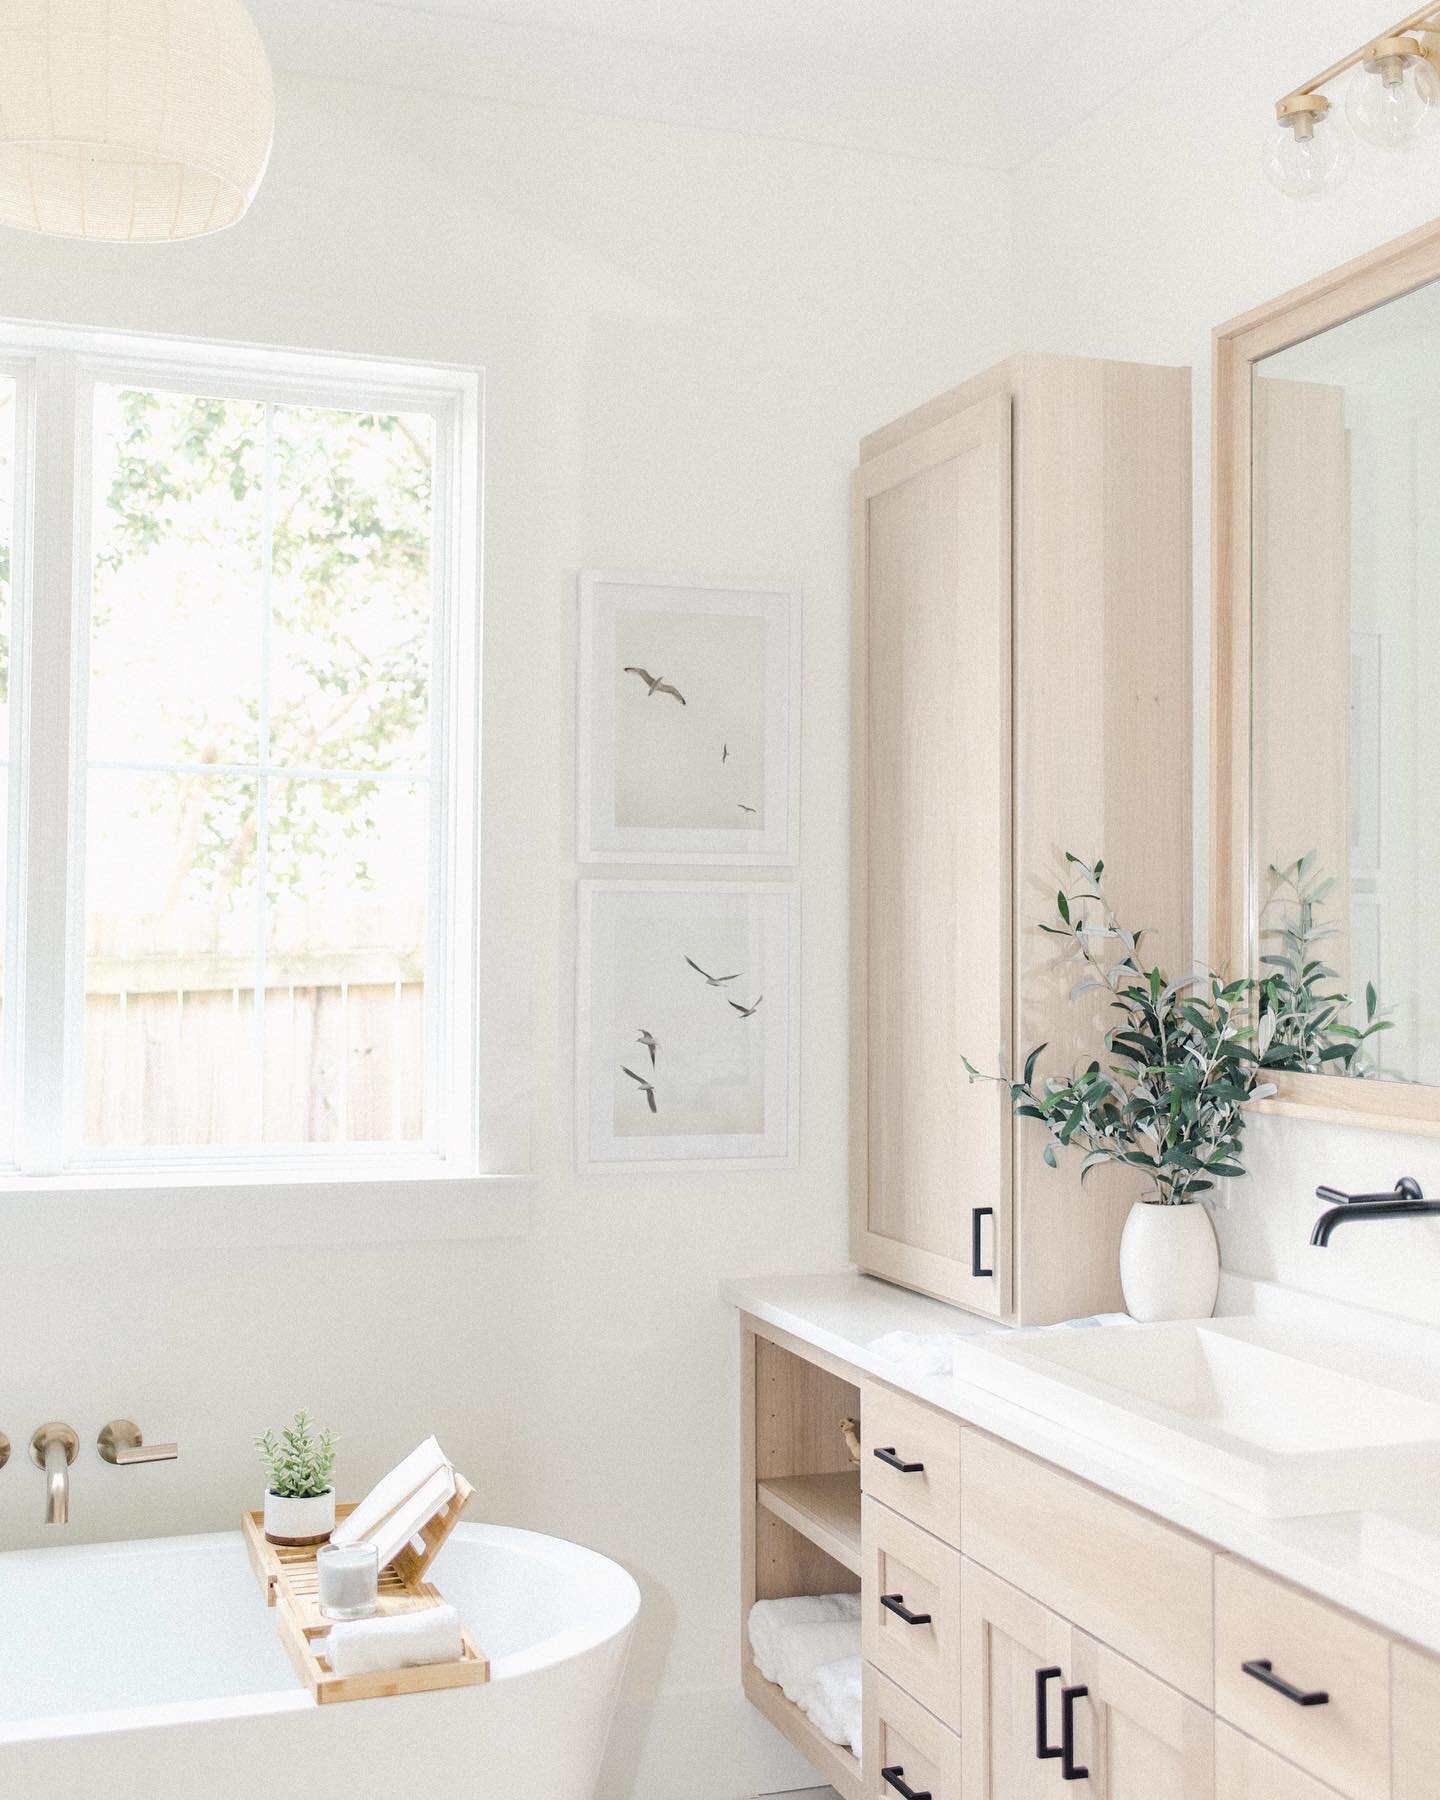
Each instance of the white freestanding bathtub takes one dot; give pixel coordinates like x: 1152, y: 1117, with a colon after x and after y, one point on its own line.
x: 151, y: 1671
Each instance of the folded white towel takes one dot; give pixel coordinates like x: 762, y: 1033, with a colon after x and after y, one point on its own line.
x: 405, y: 1641
x: 918, y: 1354
x: 830, y: 1698
x: 1088, y: 1324
x: 806, y: 1648
x: 770, y: 1619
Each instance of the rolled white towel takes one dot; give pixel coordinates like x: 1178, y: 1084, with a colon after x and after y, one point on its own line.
x: 830, y: 1698
x: 806, y: 1648
x: 405, y: 1641
x: 769, y: 1619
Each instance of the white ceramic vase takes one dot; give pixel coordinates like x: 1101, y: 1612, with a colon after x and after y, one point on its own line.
x: 1169, y: 1262
x: 308, y: 1521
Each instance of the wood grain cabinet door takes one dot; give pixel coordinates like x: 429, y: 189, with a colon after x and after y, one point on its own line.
x: 1139, y: 1739
x: 1015, y: 1660
x: 931, y: 946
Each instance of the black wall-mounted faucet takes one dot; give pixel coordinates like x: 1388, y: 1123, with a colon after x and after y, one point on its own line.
x: 1406, y: 1202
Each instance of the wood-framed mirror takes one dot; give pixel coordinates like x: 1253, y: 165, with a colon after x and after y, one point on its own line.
x: 1325, y: 756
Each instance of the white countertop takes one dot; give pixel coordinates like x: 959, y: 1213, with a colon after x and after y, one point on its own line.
x: 844, y: 1313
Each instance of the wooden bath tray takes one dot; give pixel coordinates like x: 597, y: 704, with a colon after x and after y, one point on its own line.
x: 289, y: 1582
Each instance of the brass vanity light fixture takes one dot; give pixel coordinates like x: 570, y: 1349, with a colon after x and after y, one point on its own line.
x: 1393, y: 100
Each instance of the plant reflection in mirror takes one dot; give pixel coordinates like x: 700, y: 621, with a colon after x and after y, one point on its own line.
x: 1306, y: 1027
x: 1168, y: 1097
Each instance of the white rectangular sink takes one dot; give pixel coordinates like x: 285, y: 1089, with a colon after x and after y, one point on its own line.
x: 1281, y: 1421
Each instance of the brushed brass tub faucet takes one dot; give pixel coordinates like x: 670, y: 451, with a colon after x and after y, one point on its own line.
x: 53, y: 1449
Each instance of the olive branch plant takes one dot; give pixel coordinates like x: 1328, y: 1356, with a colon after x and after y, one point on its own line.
x: 1168, y: 1095
x: 1311, y: 1033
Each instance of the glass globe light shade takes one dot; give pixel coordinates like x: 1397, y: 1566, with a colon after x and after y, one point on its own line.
x: 145, y: 122
x: 1308, y: 155
x: 1393, y: 100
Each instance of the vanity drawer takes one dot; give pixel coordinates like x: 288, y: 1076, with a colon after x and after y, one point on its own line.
x: 1343, y: 1741
x: 920, y: 1577
x: 926, y: 1443
x: 1245, y: 1770
x: 1136, y: 1584
x: 901, y: 1737
x: 1415, y: 1708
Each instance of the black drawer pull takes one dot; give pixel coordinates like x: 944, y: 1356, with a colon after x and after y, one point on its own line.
x: 888, y: 1456
x: 977, y: 1266
x: 1043, y: 1747
x: 895, y: 1603
x: 1264, y: 1671
x: 896, y: 1778
x: 1070, y: 1770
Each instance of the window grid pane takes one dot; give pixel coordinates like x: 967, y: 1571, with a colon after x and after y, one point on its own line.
x: 281, y: 958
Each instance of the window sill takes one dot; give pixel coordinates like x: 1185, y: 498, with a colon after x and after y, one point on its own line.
x: 87, y: 1212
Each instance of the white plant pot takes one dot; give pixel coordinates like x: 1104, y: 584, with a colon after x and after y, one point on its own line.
x: 1169, y: 1262
x: 308, y: 1521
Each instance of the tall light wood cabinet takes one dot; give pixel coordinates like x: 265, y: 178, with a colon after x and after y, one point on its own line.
x: 1021, y: 672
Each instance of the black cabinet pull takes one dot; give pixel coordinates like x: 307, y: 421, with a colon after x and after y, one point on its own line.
x: 888, y: 1456
x: 977, y: 1267
x: 1069, y: 1768
x: 895, y: 1603
x: 896, y: 1778
x: 1043, y: 1747
x: 1264, y: 1671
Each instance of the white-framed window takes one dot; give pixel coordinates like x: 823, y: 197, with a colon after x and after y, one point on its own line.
x: 239, y: 695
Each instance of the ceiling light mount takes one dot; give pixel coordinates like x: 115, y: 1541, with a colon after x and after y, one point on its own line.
x: 1392, y: 101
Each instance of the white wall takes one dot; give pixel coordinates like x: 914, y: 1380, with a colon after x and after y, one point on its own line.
x: 684, y: 335
x: 1139, y: 232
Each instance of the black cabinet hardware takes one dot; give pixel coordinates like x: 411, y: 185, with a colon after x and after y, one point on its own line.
x: 1264, y: 1671
x: 888, y: 1456
x: 896, y: 1778
x: 1043, y: 1747
x: 977, y: 1266
x: 895, y: 1603
x: 1069, y: 1768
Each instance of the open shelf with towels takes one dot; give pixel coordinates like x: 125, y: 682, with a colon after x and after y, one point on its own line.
x: 800, y: 1512
x: 833, y: 1761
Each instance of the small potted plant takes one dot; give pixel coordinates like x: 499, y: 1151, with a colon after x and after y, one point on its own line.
x: 299, y: 1501
x: 1166, y: 1102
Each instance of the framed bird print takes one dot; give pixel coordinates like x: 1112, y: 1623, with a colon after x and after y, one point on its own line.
x: 689, y: 722
x: 687, y: 1025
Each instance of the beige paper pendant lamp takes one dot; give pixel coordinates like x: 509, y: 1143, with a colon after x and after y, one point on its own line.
x: 131, y: 121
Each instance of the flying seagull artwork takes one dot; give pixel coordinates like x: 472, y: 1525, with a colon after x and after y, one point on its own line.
x: 745, y: 808
x: 747, y: 1012
x: 715, y: 980
x: 650, y: 1044
x: 656, y: 684
x: 647, y: 1087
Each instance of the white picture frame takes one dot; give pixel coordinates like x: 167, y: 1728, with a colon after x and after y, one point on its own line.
x: 689, y: 726
x: 723, y: 1071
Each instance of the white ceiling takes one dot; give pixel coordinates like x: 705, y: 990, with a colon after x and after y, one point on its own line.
x: 982, y: 82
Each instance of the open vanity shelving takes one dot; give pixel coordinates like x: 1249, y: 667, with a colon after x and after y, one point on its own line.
x: 800, y: 1511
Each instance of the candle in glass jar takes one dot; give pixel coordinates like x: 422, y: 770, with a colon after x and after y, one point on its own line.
x: 349, y: 1580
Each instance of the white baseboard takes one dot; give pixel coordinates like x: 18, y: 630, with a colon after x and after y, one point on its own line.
x: 705, y: 1746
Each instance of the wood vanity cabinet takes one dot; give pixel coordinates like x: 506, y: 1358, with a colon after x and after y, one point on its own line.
x: 1022, y: 1594
x: 1031, y: 1679
x: 1414, y: 1724
x: 1021, y: 674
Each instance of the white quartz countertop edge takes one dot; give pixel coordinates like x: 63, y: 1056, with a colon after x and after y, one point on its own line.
x: 1321, y: 1554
